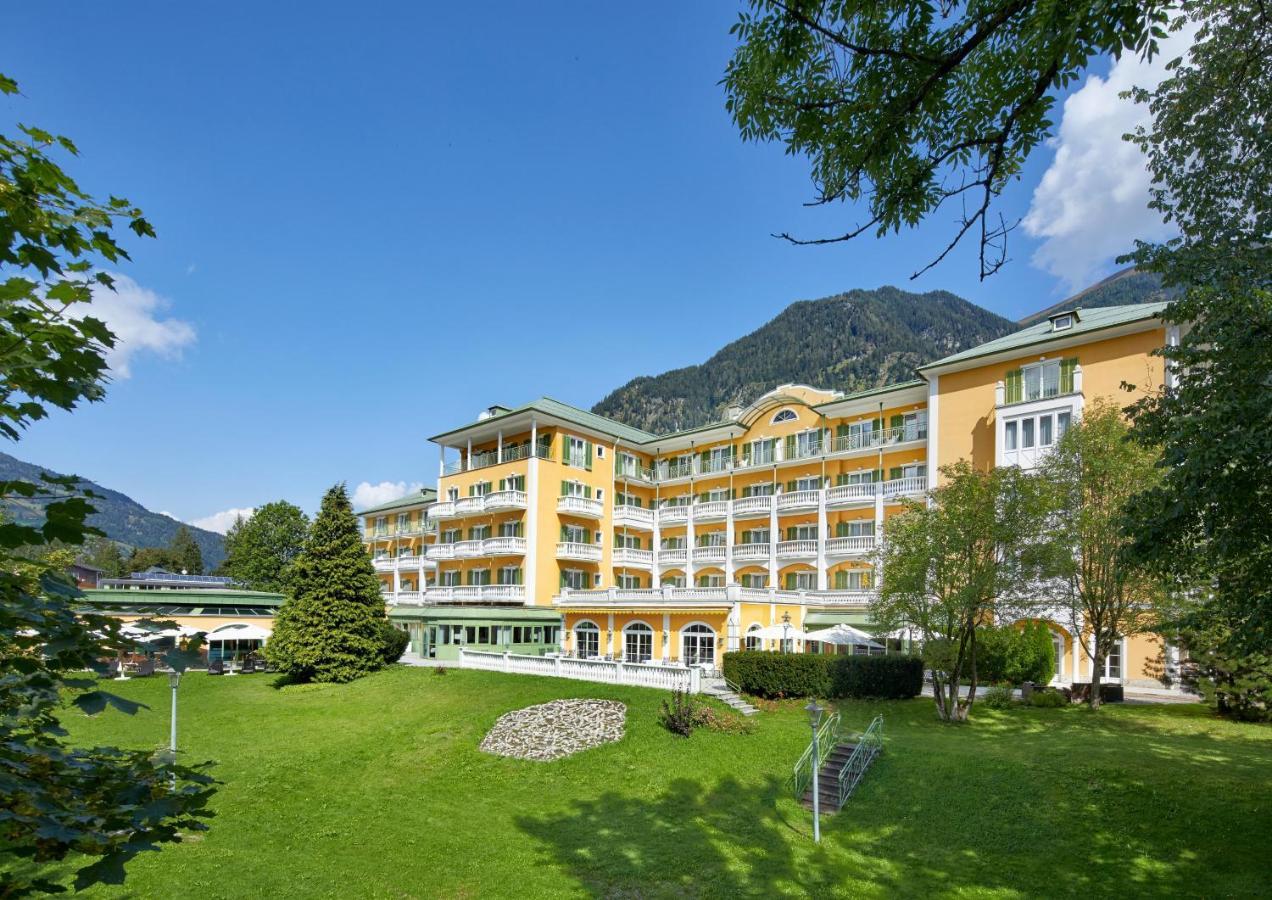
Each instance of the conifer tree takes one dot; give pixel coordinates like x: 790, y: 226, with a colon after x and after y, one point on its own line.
x: 186, y: 555
x: 329, y: 627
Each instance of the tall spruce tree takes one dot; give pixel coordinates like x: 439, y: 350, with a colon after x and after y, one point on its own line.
x: 186, y: 555
x: 329, y: 629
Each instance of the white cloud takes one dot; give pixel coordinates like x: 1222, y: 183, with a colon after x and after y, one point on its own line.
x: 220, y: 522
x: 368, y: 494
x: 132, y: 313
x: 1092, y: 202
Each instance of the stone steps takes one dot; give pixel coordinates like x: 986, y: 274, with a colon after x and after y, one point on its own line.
x: 731, y: 699
x: 828, y: 780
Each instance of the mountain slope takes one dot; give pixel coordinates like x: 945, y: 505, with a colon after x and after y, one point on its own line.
x: 1123, y: 288
x: 852, y: 341
x: 123, y: 519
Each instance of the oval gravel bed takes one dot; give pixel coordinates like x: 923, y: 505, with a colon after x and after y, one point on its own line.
x: 553, y: 730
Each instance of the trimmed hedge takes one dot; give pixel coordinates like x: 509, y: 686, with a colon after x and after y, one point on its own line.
x: 778, y: 675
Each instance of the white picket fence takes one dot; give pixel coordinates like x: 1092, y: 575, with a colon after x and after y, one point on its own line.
x: 653, y: 675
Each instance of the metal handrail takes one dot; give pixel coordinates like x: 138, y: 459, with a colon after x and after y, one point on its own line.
x: 827, y: 740
x: 868, y: 747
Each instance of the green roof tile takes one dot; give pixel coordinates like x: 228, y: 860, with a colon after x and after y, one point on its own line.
x: 415, y: 498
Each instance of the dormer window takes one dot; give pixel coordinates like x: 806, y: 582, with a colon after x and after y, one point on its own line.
x: 1063, y: 321
x: 785, y: 415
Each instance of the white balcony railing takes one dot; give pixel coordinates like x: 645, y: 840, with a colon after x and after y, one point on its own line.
x: 670, y: 515
x: 580, y: 506
x: 466, y: 506
x: 575, y: 550
x: 506, y: 500
x: 710, y: 595
x: 408, y: 562
x: 464, y: 549
x: 713, y: 553
x: 440, y: 551
x: 442, y: 510
x: 711, y: 509
x: 905, y: 487
x: 383, y: 564
x: 752, y: 506
x: 797, y: 500
x: 504, y: 546
x: 742, y: 552
x: 633, y: 517
x: 849, y: 546
x: 474, y: 593
x: 674, y: 556
x: 630, y: 556
x: 844, y: 494
x: 408, y: 597
x: 797, y: 548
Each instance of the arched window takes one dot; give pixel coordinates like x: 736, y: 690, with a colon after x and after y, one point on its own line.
x: 587, y: 640
x: 784, y: 415
x: 753, y: 641
x: 697, y: 645
x: 638, y: 642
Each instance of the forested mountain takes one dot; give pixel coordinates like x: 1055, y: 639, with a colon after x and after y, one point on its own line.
x: 123, y: 519
x: 850, y: 342
x: 1123, y: 288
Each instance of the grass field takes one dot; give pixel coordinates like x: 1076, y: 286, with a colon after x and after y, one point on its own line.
x: 377, y: 789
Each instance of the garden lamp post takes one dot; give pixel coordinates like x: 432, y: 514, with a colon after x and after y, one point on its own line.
x: 174, y: 679
x: 814, y: 719
x: 786, y: 631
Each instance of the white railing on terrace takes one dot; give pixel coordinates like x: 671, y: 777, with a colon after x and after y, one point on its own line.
x: 673, y: 556
x: 709, y: 595
x: 646, y: 674
x: 715, y: 466
x: 453, y: 468
x: 850, y: 493
x: 410, y: 597
x: 625, y: 514
x: 711, y: 553
x: 672, y: 471
x: 670, y: 514
x: 753, y: 506
x: 443, y: 510
x: 504, y: 546
x: 862, y: 543
x: 711, y: 509
x: 630, y: 556
x: 871, y: 439
x: 797, y: 499
x: 383, y: 564
x: 639, y: 473
x: 476, y: 593
x: 807, y: 451
x: 580, y: 506
x: 408, y: 562
x: 849, y: 597
x: 797, y: 548
x: 440, y: 551
x: 467, y: 548
x: 752, y: 551
x: 506, y: 500
x: 575, y: 550
x: 916, y: 484
x: 466, y: 506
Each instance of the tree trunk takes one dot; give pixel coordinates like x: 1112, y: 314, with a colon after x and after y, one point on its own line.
x: 1097, y: 666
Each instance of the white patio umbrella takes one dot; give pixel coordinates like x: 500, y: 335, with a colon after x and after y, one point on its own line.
x: 844, y: 635
x: 238, y: 633
x: 779, y: 633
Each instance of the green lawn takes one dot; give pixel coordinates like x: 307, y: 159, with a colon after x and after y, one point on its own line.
x: 378, y: 789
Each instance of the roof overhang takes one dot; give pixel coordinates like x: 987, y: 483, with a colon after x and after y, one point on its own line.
x: 872, y: 401
x: 517, y: 423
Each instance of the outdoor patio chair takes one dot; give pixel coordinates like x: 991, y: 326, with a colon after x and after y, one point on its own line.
x: 216, y: 667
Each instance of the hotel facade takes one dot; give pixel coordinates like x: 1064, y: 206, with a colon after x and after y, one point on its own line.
x: 556, y: 529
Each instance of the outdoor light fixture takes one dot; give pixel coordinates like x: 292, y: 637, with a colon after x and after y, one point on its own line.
x: 174, y: 679
x: 786, y: 631
x: 814, y: 719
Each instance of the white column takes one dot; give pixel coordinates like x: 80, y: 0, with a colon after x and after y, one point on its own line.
x: 499, y: 447
x: 468, y: 460
x: 441, y: 463
x: 821, y: 537
x: 775, y: 535
x: 933, y: 429
x: 609, y: 629
x: 728, y: 540
x: 666, y: 637
x: 656, y: 547
x: 532, y: 519
x: 689, y: 536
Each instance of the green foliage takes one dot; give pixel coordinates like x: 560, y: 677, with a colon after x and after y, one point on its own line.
x: 999, y: 696
x: 1235, y: 681
x: 103, y: 553
x: 878, y: 677
x: 959, y: 561
x: 185, y: 553
x: 96, y: 807
x: 785, y: 675
x: 260, y: 550
x: 116, y: 515
x: 683, y: 713
x: 394, y: 642
x: 144, y: 558
x: 1048, y: 699
x: 911, y: 105
x: 850, y: 342
x: 329, y: 627
x: 1015, y: 655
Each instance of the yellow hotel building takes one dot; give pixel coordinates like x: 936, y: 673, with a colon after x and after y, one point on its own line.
x: 553, y: 528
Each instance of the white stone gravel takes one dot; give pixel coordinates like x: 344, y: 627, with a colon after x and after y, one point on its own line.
x: 553, y: 730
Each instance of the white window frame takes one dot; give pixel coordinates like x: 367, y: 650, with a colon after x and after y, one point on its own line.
x: 784, y: 415
x: 590, y: 628
x: 641, y: 631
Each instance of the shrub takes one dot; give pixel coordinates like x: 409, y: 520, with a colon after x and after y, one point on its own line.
x: 778, y: 675
x: 884, y: 677
x: 999, y: 696
x: 1015, y: 655
x: 395, y: 641
x: 439, y: 670
x: 682, y: 714
x: 1048, y: 699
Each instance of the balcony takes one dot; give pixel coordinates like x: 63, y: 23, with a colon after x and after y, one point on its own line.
x: 856, y: 545
x: 443, y: 510
x: 905, y: 487
x: 634, y: 473
x: 409, y: 562
x: 711, y: 510
x: 673, y: 556
x: 709, y: 554
x: 796, y: 549
x: 408, y: 598
x: 440, y: 551
x: 884, y: 437
x: 473, y: 593
x: 744, y: 552
x: 383, y: 564
x: 467, y: 549
x: 467, y: 506
x: 633, y: 517
x: 749, y: 507
x: 674, y: 471
x: 672, y: 515
x: 504, y: 546
x: 630, y: 556
x: 581, y: 552
x: 797, y: 500
x: 849, y: 494
x: 580, y: 506
x: 505, y: 500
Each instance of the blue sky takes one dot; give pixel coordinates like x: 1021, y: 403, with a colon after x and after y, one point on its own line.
x: 375, y: 220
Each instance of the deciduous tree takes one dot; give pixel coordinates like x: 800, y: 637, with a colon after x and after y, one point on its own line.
x: 260, y: 550
x: 186, y: 555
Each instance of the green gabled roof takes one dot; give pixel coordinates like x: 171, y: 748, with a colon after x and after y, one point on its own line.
x: 580, y: 417
x: 1089, y: 321
x: 415, y: 498
x: 861, y: 395
x: 182, y: 597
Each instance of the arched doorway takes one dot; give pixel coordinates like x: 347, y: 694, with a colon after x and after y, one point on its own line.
x: 697, y: 645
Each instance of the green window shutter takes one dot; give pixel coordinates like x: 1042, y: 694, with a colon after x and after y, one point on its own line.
x: 790, y: 446
x: 587, y: 455
x: 790, y: 486
x: 876, y: 425
x: 841, y: 529
x: 1015, y: 386
x: 733, y: 493
x: 636, y: 543
x: 705, y: 456
x: 502, y: 484
x: 563, y: 533
x: 841, y: 581
x: 639, y: 501
x: 841, y: 478
x: 703, y: 497
x: 841, y: 431
x: 587, y: 492
x: 896, y: 422
x: 878, y: 475
x: 791, y: 531
x: 562, y: 579
x: 1066, y: 374
x: 746, y: 453
x: 565, y: 449
x: 565, y: 488
x: 790, y: 581
x: 894, y: 473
